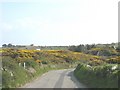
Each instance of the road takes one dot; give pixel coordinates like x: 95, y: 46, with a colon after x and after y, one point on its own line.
x: 56, y: 79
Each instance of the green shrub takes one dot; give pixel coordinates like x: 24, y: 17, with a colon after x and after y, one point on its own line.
x: 31, y: 63
x: 19, y: 74
x: 97, y: 76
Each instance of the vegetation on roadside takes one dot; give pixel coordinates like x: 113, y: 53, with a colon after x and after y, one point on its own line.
x: 14, y: 75
x: 102, y: 76
x: 20, y: 66
x: 36, y: 63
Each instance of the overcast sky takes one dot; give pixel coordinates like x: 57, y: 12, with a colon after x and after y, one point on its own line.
x: 58, y: 22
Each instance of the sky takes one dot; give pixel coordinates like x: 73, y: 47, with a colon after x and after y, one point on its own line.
x: 58, y: 22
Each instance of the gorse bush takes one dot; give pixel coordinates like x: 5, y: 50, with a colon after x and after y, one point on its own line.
x: 49, y: 56
x: 15, y: 75
x: 36, y: 62
x: 39, y: 62
x: 113, y: 60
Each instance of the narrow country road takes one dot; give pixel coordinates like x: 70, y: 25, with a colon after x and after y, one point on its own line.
x: 56, y: 79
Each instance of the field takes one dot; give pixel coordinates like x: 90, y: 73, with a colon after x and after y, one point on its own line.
x: 22, y: 66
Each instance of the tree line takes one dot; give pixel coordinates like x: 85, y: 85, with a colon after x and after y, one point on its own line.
x: 97, y: 49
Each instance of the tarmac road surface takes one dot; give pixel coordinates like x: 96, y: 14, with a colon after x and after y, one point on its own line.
x: 56, y: 79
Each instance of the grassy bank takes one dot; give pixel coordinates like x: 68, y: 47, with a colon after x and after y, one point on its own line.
x: 14, y: 75
x: 102, y: 76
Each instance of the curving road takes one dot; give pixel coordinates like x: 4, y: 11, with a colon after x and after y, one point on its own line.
x: 56, y: 79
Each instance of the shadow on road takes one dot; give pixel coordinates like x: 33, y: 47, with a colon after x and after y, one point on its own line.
x: 72, y: 77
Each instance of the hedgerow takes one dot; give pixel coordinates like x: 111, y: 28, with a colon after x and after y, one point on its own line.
x: 102, y: 76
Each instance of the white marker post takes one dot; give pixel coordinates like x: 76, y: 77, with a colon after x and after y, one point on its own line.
x: 24, y: 65
x: 19, y: 64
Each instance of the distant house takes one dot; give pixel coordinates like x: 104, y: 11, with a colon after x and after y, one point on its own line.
x: 38, y: 49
